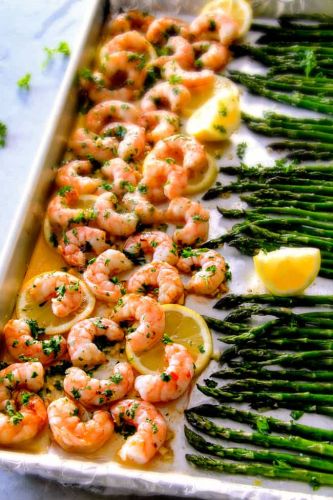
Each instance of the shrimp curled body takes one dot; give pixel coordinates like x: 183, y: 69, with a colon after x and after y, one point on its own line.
x: 76, y: 174
x: 117, y: 224
x: 156, y: 243
x: 211, y: 275
x: 174, y: 380
x: 151, y: 429
x: 75, y: 241
x: 164, y: 95
x: 195, y: 217
x: 75, y: 435
x: 123, y: 175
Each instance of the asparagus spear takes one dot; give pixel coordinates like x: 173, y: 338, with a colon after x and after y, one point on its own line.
x: 315, y: 148
x: 289, y: 442
x: 262, y: 374
x: 224, y: 326
x: 277, y: 471
x: 299, y: 344
x: 200, y: 444
x: 250, y: 384
x: 232, y: 300
x: 263, y: 423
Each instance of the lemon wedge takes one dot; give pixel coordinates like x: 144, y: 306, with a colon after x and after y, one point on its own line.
x: 219, y: 116
x: 182, y: 326
x: 202, y: 180
x: 288, y: 271
x: 240, y: 11
x: 27, y: 308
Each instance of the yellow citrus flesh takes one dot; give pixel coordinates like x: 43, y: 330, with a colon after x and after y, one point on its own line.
x: 27, y: 308
x: 240, y: 11
x: 183, y: 326
x: 85, y: 201
x: 217, y: 118
x: 288, y: 271
x: 203, y: 180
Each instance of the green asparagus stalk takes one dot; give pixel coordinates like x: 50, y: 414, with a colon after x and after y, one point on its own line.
x: 200, y: 444
x: 231, y: 300
x: 289, y: 442
x: 262, y: 374
x: 250, y: 384
x: 277, y: 471
x: 263, y: 423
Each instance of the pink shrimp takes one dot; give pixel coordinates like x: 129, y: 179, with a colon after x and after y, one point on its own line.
x: 161, y: 29
x: 155, y: 243
x: 214, y: 26
x: 98, y: 88
x: 22, y: 342
x: 210, y: 55
x: 63, y: 289
x: 190, y: 79
x: 210, y: 277
x: 164, y: 179
x: 124, y: 176
x: 89, y: 145
x: 107, y: 111
x: 76, y: 174
x: 130, y: 20
x: 101, y: 275
x: 131, y: 139
x: 151, y: 429
x: 82, y: 351
x: 180, y: 50
x: 131, y: 41
x: 195, y: 217
x: 139, y: 203
x: 117, y: 224
x: 158, y: 277
x: 159, y: 124
x: 150, y: 315
x: 78, y: 241
x: 60, y: 210
x: 125, y: 69
x: 91, y: 391
x: 168, y: 96
x: 173, y: 382
x: 74, y: 430
x: 29, y: 375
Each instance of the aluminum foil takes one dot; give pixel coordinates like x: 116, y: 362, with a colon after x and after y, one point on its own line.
x: 177, y: 478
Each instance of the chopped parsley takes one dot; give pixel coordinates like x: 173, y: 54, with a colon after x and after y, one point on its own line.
x: 76, y: 393
x: 63, y: 190
x: 174, y: 79
x: 52, y: 346
x: 165, y: 377
x: 241, y: 150
x: 3, y: 135
x: 116, y: 378
x: 62, y: 48
x: 201, y: 349
x: 220, y: 129
x: 61, y: 290
x: 15, y: 416
x: 24, y: 82
x: 35, y: 330
x: 166, y: 339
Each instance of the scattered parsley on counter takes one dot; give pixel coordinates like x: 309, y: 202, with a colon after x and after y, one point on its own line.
x: 24, y: 82
x: 241, y: 150
x: 3, y: 135
x: 63, y: 48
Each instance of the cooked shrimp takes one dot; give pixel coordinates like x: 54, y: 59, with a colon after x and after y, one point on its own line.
x: 124, y: 176
x: 173, y: 382
x: 180, y: 50
x: 117, y: 224
x: 82, y: 351
x: 23, y: 418
x: 21, y: 338
x: 76, y: 174
x: 180, y: 150
x: 190, y: 79
x: 159, y: 277
x: 164, y: 179
x: 131, y: 41
x: 161, y: 29
x: 155, y: 243
x: 210, y: 55
x: 101, y: 275
x: 62, y: 289
x: 60, y: 209
x: 130, y: 20
x: 131, y: 139
x: 211, y: 276
x: 150, y: 315
x: 98, y: 88
x: 125, y: 69
x: 108, y: 111
x: 159, y: 124
x: 73, y: 431
x: 138, y: 203
x: 95, y: 392
x: 89, y: 145
x: 165, y: 95
x: 78, y: 241
x: 195, y: 217
x: 151, y: 429
x: 214, y: 26
x: 29, y: 375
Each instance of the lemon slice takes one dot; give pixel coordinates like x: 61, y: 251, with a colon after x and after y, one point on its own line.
x: 182, y: 326
x: 26, y: 307
x: 203, y: 180
x: 288, y: 271
x: 239, y: 10
x: 85, y: 201
x: 219, y: 116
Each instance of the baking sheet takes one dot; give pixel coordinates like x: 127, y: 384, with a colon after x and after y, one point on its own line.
x: 178, y: 478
